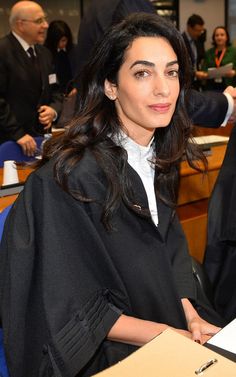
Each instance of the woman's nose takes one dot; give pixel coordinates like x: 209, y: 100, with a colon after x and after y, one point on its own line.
x: 161, y: 86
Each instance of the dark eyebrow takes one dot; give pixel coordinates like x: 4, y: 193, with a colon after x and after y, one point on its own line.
x: 142, y: 62
x: 172, y: 63
x: 150, y: 64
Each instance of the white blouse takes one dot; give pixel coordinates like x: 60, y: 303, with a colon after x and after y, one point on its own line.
x: 140, y: 157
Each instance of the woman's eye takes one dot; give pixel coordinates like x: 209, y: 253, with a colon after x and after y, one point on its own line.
x: 141, y: 74
x: 173, y: 73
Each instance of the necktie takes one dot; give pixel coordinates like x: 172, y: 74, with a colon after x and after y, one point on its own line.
x: 35, y: 67
x: 31, y: 53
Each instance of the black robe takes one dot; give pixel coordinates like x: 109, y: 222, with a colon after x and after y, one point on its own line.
x: 65, y: 280
x: 220, y: 254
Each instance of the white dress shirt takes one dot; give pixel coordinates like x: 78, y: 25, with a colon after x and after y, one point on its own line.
x: 140, y: 157
x: 24, y: 44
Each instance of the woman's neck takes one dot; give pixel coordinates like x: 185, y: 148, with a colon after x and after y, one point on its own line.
x: 142, y: 137
x: 220, y: 48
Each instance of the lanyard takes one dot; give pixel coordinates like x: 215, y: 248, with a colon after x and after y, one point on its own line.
x: 218, y: 60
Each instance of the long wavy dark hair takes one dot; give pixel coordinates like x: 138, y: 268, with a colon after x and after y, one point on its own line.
x: 97, y: 124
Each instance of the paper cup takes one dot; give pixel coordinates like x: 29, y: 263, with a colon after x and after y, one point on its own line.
x: 10, y: 175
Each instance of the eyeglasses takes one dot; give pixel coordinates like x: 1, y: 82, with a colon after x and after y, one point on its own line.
x: 38, y: 21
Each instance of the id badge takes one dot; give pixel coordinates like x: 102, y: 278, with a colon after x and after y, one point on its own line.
x: 52, y: 79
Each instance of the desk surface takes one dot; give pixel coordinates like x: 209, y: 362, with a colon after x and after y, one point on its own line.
x: 194, y: 192
x: 215, y: 160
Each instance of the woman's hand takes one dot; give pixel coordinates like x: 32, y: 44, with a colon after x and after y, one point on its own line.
x: 46, y: 116
x: 138, y: 332
x: 201, y: 75
x: 28, y: 145
x: 230, y: 74
x: 201, y: 330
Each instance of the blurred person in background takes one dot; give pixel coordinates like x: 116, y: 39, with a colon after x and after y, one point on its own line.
x: 220, y: 54
x: 30, y: 99
x: 60, y: 42
x: 194, y: 41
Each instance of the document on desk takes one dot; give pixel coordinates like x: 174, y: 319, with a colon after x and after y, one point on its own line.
x: 226, y: 338
x: 11, y: 189
x: 215, y: 73
x: 172, y: 355
x: 211, y: 140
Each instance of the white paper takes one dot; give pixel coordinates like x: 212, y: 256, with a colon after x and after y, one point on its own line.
x: 226, y: 338
x: 214, y: 73
x: 211, y: 139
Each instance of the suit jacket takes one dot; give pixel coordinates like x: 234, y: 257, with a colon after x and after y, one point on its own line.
x: 220, y: 254
x: 190, y: 52
x: 207, y: 109
x: 195, y: 64
x: 23, y: 90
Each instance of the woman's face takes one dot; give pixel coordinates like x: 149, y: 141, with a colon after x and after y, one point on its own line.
x: 147, y: 89
x: 220, y: 37
x: 62, y: 43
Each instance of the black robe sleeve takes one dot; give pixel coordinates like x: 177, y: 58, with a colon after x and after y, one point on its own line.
x: 180, y: 260
x: 207, y: 109
x: 44, y: 282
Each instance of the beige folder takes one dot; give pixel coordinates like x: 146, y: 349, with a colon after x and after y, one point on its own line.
x: 172, y: 355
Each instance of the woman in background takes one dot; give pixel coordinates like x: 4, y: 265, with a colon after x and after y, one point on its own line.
x: 60, y: 42
x: 221, y: 54
x: 93, y: 261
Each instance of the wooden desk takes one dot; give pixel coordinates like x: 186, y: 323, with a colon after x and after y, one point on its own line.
x: 195, y: 189
x: 23, y: 173
x: 222, y: 131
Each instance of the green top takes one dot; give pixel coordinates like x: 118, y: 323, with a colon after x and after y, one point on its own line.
x: 209, y: 61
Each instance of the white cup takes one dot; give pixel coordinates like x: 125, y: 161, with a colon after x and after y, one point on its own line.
x: 10, y: 175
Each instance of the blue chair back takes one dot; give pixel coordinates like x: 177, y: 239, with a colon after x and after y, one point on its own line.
x: 3, y: 216
x: 3, y: 365
x: 10, y: 150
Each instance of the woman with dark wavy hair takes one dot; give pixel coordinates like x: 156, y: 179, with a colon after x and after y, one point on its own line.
x: 60, y: 42
x: 93, y: 258
x: 222, y: 53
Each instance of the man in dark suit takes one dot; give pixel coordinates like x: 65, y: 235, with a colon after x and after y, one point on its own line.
x: 29, y: 96
x: 193, y: 41
x: 207, y: 110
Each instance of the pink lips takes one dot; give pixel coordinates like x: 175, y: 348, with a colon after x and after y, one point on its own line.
x: 160, y: 107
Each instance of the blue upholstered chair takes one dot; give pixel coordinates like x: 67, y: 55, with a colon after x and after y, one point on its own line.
x: 3, y: 365
x: 3, y: 216
x: 10, y: 150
